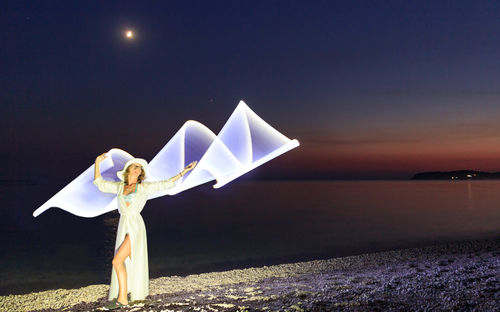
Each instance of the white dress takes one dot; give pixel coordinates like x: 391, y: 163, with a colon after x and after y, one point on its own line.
x: 131, y: 222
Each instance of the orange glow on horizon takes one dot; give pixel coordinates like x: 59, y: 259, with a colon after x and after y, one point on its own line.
x: 391, y: 158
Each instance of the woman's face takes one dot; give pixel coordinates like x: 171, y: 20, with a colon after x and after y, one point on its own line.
x: 134, y: 170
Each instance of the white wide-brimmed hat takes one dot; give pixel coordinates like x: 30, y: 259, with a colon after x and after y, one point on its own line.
x: 140, y: 161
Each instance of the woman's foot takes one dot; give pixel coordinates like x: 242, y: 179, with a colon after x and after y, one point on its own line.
x: 115, y: 304
x: 122, y: 302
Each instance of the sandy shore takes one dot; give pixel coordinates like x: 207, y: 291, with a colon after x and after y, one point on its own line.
x: 463, y: 276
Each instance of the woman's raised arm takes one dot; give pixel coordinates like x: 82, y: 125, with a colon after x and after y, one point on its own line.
x: 97, y: 171
x: 103, y: 185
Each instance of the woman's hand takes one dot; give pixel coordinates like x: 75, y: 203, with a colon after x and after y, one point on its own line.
x: 100, y: 158
x: 189, y: 167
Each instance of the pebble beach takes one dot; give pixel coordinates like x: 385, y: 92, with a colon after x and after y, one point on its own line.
x: 461, y: 276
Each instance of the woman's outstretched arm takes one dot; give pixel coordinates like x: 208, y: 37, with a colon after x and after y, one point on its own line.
x: 184, y: 171
x: 154, y: 187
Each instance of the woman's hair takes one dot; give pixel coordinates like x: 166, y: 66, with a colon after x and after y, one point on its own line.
x: 140, y: 178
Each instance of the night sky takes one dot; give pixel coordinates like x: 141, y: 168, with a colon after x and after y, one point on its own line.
x: 371, y: 89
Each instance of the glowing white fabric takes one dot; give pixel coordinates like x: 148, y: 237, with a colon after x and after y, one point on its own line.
x: 244, y: 143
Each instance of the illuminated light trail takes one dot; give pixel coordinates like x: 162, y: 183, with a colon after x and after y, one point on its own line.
x: 245, y: 142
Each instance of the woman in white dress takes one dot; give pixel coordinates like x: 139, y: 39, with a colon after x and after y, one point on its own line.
x: 130, y: 263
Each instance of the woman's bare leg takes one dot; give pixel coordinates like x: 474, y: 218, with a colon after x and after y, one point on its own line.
x: 118, y: 263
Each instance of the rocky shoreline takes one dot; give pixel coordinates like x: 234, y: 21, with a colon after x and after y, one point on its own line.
x: 462, y: 276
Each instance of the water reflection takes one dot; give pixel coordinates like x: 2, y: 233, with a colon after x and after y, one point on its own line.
x: 110, y: 222
x: 243, y: 224
x: 470, y: 202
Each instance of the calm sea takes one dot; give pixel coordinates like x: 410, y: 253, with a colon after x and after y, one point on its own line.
x: 240, y: 225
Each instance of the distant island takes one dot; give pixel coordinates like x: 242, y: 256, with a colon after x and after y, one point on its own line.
x: 456, y: 175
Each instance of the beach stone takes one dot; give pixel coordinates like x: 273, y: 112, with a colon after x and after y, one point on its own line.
x: 385, y: 281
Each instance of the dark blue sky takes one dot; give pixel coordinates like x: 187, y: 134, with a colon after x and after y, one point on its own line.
x: 371, y: 89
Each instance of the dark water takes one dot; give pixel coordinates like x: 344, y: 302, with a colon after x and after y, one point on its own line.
x: 240, y: 225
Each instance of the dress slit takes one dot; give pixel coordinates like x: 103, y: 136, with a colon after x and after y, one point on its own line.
x: 131, y: 244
